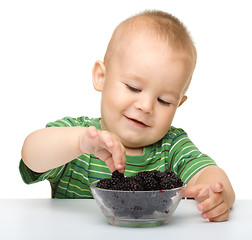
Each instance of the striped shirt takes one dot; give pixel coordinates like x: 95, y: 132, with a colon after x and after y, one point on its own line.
x: 174, y: 151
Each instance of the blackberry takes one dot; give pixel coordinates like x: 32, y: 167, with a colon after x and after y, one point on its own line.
x: 104, y: 183
x: 117, y: 175
x: 143, y: 181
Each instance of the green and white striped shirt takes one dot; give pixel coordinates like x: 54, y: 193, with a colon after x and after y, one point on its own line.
x: 175, y: 152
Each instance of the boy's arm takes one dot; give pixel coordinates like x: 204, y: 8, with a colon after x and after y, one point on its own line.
x: 212, y: 188
x: 52, y: 147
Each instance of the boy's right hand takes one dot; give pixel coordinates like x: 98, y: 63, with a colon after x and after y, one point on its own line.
x: 106, y: 146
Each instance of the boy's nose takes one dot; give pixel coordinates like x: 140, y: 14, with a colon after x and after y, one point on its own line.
x: 145, y: 104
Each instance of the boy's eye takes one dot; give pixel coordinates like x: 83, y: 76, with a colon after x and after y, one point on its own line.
x: 133, y: 89
x: 163, y: 102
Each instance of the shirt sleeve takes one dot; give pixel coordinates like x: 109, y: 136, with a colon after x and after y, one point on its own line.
x: 67, y: 122
x: 30, y: 176
x: 52, y: 175
x: 186, y: 159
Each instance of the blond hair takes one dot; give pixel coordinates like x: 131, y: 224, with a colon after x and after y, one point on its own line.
x: 162, y: 24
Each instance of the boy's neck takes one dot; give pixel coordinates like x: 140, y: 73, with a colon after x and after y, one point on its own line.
x: 134, y: 151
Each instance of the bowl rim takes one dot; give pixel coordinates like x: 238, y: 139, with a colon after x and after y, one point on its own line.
x: 93, y: 186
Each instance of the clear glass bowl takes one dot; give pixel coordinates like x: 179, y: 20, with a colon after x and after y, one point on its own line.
x: 137, y: 208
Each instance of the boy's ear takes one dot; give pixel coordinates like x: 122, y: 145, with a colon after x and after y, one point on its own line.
x: 182, y: 100
x: 99, y: 72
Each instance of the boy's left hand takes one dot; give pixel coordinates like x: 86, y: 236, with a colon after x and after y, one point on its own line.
x: 212, y: 201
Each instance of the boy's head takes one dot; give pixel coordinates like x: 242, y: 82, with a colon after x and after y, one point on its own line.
x: 146, y: 71
x: 160, y: 25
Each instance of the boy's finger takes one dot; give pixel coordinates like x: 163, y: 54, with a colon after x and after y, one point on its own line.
x: 121, y: 159
x: 110, y: 163
x: 118, y: 157
x: 113, y: 145
x: 221, y: 218
x: 92, y: 131
x: 217, y: 187
x: 192, y: 191
x: 210, y: 202
x: 106, y: 139
x: 215, y: 211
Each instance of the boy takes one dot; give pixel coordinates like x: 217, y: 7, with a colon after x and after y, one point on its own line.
x: 146, y: 71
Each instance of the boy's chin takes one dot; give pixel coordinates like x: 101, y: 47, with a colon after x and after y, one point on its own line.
x: 136, y: 142
x: 135, y: 145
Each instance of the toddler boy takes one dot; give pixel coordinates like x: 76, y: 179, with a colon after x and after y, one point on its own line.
x: 146, y: 72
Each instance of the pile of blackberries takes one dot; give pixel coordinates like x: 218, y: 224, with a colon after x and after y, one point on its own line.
x: 143, y: 181
x: 138, y: 198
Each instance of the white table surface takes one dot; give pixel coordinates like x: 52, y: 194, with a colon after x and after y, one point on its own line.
x: 82, y: 219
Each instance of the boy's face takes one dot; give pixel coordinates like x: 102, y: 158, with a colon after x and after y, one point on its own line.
x: 142, y: 89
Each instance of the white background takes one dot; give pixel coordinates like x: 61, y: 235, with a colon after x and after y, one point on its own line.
x: 47, y: 51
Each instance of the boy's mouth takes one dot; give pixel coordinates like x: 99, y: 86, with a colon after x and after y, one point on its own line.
x: 137, y: 122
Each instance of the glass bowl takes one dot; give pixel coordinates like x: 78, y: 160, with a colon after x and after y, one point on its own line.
x: 137, y: 208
